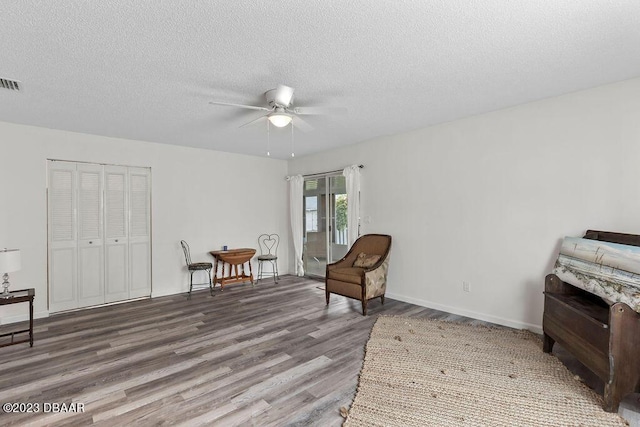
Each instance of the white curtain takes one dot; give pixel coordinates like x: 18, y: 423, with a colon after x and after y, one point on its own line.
x: 352, y: 178
x: 295, y: 211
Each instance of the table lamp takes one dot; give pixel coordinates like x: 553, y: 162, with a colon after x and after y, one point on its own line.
x: 9, y: 262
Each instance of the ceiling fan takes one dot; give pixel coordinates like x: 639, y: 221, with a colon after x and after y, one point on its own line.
x: 281, y: 110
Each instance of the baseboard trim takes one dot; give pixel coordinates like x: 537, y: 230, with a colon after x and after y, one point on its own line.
x: 467, y: 313
x: 166, y: 293
x: 173, y: 292
x: 23, y: 317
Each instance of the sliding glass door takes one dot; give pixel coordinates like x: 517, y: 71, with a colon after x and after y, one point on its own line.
x: 325, y: 222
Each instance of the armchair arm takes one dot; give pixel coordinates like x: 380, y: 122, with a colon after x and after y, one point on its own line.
x: 376, y: 278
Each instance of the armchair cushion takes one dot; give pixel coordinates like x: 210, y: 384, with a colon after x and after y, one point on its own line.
x: 347, y: 274
x: 366, y: 261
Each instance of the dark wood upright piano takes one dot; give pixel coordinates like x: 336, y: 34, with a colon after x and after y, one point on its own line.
x: 604, y: 336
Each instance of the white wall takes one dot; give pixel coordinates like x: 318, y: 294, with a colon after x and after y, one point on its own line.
x: 205, y: 197
x: 488, y: 199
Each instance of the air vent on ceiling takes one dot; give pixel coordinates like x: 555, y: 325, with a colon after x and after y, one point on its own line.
x: 10, y: 84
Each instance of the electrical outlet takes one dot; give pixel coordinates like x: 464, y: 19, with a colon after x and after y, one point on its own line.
x: 466, y: 286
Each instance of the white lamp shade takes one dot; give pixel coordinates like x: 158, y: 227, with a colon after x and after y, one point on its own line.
x: 280, y: 120
x: 9, y: 260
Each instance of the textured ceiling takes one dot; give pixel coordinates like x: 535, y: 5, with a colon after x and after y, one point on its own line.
x: 146, y: 69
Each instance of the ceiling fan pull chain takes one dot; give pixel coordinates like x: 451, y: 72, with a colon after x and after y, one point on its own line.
x: 268, y: 140
x: 292, y: 146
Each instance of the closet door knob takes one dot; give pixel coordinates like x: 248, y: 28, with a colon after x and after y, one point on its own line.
x: 116, y: 240
x: 90, y: 242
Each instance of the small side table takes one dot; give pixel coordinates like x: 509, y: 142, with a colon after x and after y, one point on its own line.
x: 24, y: 295
x: 235, y: 259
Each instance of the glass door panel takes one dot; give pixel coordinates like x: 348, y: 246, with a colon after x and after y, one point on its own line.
x: 338, y: 218
x: 325, y: 222
x: 315, y: 227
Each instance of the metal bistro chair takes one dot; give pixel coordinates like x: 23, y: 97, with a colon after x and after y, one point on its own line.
x: 196, y: 266
x: 268, y: 244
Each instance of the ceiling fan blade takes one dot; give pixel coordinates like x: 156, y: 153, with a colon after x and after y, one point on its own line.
x: 308, y: 111
x: 283, y: 96
x: 301, y: 124
x: 253, y: 121
x: 250, y: 107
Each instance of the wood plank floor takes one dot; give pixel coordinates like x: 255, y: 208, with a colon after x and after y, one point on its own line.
x: 267, y: 355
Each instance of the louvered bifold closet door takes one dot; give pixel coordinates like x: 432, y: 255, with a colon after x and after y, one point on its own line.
x: 116, y: 233
x: 140, y: 231
x: 90, y: 236
x: 63, y: 262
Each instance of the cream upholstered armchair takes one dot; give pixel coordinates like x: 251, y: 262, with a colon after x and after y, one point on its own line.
x: 362, y: 273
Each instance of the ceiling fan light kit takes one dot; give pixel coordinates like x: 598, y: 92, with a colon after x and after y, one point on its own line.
x: 279, y: 120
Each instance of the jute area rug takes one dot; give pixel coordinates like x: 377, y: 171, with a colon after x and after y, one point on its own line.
x: 431, y: 373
